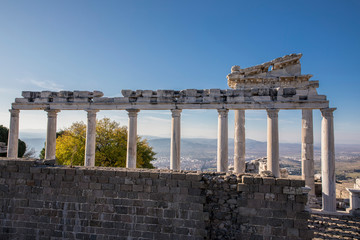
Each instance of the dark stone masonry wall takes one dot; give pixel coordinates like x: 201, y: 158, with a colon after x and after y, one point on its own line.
x: 40, y: 201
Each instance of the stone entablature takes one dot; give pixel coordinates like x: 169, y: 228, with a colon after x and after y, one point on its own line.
x: 279, y: 73
x: 249, y: 98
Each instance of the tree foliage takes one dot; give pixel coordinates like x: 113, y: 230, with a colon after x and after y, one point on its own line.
x: 111, y: 144
x: 4, y: 134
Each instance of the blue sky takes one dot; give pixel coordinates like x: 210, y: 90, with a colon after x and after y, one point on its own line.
x: 114, y: 45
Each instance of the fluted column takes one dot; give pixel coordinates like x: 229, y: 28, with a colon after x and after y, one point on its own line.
x: 175, y: 139
x: 239, y: 142
x: 222, y: 144
x: 90, y: 138
x: 13, y: 138
x: 307, y: 150
x: 50, y: 148
x: 328, y: 161
x: 273, y: 142
x: 131, y: 141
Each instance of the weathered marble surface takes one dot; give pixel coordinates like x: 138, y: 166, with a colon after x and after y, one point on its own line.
x: 246, y: 98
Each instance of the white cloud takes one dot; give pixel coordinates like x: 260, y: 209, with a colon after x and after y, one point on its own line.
x: 43, y: 85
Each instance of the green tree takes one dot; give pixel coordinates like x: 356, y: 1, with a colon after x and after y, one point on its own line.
x: 111, y: 144
x: 4, y: 134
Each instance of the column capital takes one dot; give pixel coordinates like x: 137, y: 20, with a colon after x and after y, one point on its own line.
x: 14, y: 112
x: 327, y: 112
x: 272, y: 112
x: 132, y: 112
x: 176, y: 112
x: 92, y: 112
x: 52, y: 112
x: 223, y: 112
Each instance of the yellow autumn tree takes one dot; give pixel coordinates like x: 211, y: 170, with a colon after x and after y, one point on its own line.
x: 111, y: 142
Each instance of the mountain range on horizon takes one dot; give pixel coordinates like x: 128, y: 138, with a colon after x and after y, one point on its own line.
x: 209, y: 145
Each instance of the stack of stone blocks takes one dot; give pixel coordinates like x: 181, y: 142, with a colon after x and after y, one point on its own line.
x: 253, y: 94
x: 42, y: 201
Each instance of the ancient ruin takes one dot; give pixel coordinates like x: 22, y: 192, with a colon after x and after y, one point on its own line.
x: 271, y: 86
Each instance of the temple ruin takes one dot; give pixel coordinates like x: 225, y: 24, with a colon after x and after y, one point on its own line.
x: 271, y: 86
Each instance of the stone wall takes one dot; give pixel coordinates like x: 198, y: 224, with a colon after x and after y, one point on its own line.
x: 251, y: 207
x: 40, y: 201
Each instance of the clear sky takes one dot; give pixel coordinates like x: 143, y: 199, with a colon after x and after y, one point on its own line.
x: 114, y: 45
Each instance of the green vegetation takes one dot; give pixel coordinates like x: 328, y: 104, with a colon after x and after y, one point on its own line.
x: 111, y: 144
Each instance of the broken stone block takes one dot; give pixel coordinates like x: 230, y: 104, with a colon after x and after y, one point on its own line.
x: 165, y: 93
x: 147, y: 93
x: 21, y: 100
x: 66, y: 94
x: 138, y: 93
x: 190, y: 92
x: 41, y: 100
x: 45, y: 94
x: 81, y: 94
x: 126, y: 92
x: 97, y: 93
x: 59, y: 100
x: 25, y: 94
x: 214, y: 92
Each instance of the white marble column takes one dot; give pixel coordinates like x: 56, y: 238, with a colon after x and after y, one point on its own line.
x: 90, y: 138
x: 328, y: 161
x: 273, y: 142
x: 175, y: 139
x: 239, y: 142
x: 13, y: 138
x: 222, y: 144
x: 50, y: 146
x: 307, y: 150
x: 132, y: 137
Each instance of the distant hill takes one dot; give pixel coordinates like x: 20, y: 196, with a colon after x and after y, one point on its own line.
x: 188, y: 145
x: 206, y: 146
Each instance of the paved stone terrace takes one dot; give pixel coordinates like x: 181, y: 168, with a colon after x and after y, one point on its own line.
x: 335, y: 226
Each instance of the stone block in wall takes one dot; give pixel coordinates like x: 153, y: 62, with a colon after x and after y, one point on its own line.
x: 85, y: 100
x: 41, y: 100
x: 30, y: 94
x: 317, y: 97
x: 82, y: 94
x: 99, y: 100
x: 165, y: 93
x: 66, y: 94
x: 261, y: 98
x: 21, y: 100
x: 189, y: 204
x: 45, y: 94
x: 147, y: 93
x: 120, y: 99
x: 59, y: 100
